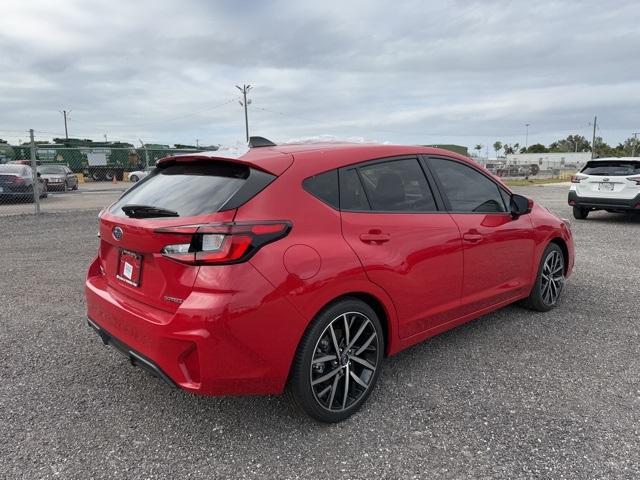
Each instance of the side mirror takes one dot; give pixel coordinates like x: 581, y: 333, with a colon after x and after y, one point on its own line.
x: 39, y: 175
x: 520, y: 205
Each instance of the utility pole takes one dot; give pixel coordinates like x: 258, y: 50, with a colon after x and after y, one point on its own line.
x: 66, y: 131
x: 146, y: 154
x: 593, y: 139
x: 245, y: 89
x: 197, y: 144
x: 34, y: 170
x: 526, y: 137
x: 635, y: 144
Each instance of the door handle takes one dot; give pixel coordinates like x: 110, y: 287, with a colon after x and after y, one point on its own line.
x: 374, y: 237
x: 472, y: 237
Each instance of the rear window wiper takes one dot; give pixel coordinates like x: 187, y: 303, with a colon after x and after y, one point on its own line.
x: 147, y: 211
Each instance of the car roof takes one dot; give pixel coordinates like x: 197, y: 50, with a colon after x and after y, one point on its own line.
x: 321, y: 156
x: 318, y: 158
x: 626, y: 159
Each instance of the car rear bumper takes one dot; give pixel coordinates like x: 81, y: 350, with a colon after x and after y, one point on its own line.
x: 134, y: 357
x: 604, y: 203
x: 239, y: 341
x: 15, y: 191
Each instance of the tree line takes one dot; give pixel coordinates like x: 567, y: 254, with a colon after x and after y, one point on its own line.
x: 573, y: 143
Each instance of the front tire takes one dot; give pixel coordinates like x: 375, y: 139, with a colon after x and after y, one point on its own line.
x: 546, y: 291
x: 133, y: 178
x: 580, y: 213
x: 338, y: 361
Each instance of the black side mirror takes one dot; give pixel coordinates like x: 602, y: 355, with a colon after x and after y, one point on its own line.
x: 520, y: 205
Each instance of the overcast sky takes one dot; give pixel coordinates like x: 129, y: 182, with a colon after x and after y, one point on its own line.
x: 404, y: 72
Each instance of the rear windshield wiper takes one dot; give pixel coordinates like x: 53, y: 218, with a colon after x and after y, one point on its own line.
x: 147, y: 211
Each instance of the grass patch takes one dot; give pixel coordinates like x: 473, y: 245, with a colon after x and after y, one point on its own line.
x: 534, y: 181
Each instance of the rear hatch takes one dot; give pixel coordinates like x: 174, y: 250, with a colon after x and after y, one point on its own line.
x: 611, y: 178
x: 181, y: 192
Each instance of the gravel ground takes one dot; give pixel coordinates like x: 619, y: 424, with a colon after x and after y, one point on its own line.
x: 513, y: 395
x: 89, y: 196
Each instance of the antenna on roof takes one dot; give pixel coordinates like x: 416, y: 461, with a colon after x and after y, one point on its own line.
x: 255, y: 142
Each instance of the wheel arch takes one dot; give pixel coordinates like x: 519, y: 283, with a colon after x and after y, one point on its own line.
x: 565, y: 251
x: 374, y: 302
x: 378, y: 307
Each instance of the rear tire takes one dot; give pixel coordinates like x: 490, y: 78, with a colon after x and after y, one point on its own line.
x: 546, y: 291
x: 338, y: 361
x: 580, y: 213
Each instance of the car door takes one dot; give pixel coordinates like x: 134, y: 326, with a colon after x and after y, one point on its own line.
x: 498, y: 248
x: 406, y: 244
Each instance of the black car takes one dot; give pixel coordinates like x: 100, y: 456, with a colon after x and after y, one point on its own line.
x: 16, y: 181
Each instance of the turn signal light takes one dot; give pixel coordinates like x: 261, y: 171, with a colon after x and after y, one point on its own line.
x: 222, y: 243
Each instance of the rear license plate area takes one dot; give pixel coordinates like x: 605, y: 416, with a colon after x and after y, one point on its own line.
x: 605, y: 187
x: 129, y: 268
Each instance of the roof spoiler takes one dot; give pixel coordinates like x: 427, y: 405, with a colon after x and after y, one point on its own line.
x: 256, y: 142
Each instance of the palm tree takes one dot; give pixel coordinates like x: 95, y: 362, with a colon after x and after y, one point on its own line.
x: 478, y: 147
x: 497, y: 146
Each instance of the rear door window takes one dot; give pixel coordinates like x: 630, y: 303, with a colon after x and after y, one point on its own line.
x: 190, y: 189
x: 612, y: 168
x: 397, y: 186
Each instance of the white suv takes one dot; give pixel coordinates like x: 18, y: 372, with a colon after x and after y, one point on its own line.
x: 611, y: 184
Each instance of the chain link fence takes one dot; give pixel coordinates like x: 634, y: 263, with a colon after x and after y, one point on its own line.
x: 39, y: 177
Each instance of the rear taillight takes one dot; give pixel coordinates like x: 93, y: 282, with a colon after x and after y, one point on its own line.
x: 19, y: 181
x: 222, y: 243
x: 635, y: 179
x: 577, y: 178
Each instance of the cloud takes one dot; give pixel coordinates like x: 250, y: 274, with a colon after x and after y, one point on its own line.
x: 406, y: 72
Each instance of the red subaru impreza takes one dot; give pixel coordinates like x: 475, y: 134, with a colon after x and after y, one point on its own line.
x: 303, y: 266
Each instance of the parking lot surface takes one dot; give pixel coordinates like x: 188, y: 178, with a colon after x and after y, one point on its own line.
x: 89, y: 196
x: 515, y: 394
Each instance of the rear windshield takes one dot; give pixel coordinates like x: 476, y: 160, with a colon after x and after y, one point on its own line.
x: 51, y: 169
x: 187, y: 189
x: 612, y: 168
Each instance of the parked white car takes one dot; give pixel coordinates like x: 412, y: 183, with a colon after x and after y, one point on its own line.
x: 140, y: 174
x: 611, y: 184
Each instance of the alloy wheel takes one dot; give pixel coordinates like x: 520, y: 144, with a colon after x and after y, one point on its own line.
x: 552, y: 277
x: 344, y: 361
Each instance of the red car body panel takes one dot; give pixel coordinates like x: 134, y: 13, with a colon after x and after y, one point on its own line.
x: 234, y: 329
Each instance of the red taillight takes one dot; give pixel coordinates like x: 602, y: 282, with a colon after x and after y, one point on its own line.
x: 222, y: 243
x: 577, y: 178
x: 18, y: 181
x: 635, y: 179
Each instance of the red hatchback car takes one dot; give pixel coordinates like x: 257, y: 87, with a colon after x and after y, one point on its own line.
x: 303, y: 266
